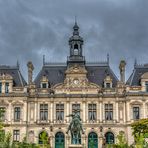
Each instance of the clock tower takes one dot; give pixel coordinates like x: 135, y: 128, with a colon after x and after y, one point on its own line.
x: 75, y: 43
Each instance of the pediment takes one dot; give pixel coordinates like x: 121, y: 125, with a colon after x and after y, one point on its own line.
x: 15, y: 103
x: 136, y: 103
x: 76, y: 69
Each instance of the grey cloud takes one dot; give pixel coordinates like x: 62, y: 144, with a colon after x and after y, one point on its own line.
x: 32, y: 28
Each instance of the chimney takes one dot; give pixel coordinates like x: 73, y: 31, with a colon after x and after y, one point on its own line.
x: 30, y: 71
x: 122, y: 71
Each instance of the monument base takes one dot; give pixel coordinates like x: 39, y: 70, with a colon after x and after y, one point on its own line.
x: 75, y: 146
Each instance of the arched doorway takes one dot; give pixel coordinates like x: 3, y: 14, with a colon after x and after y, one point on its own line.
x: 59, y: 140
x: 92, y: 140
x: 43, y: 137
x: 109, y: 137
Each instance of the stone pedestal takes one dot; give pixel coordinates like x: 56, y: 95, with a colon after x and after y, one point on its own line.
x: 75, y: 146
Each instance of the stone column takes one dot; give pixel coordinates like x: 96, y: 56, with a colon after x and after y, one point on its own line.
x: 84, y: 111
x: 117, y: 112
x: 52, y: 141
x: 124, y: 112
x: 101, y: 111
x: 128, y: 112
x: 35, y: 111
x: 83, y: 137
x: 3, y: 87
x: 9, y: 113
x: 30, y: 71
x: 51, y: 111
x: 144, y: 108
x: 122, y: 71
x: 67, y: 141
x: 67, y: 110
x: 24, y: 109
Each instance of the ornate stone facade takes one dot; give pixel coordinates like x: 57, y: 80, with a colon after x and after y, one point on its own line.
x: 107, y: 105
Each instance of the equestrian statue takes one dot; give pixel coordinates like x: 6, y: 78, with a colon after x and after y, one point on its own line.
x: 75, y: 128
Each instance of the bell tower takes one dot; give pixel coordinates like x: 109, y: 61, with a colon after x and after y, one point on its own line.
x: 75, y: 43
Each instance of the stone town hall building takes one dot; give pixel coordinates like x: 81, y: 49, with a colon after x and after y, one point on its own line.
x: 106, y: 105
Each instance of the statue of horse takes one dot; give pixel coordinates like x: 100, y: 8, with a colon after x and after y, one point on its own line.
x: 75, y: 128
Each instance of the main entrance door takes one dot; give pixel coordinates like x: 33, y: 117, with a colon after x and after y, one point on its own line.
x: 92, y: 140
x: 59, y: 140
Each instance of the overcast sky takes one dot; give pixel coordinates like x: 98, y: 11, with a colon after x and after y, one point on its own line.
x: 30, y: 29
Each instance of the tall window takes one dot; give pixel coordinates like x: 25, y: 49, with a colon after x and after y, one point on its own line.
x: 108, y: 85
x: 17, y: 113
x: 44, y: 112
x: 76, y: 108
x: 146, y: 85
x: 6, y: 87
x: 60, y: 112
x: 2, y: 113
x: 16, y: 135
x: 108, y: 111
x: 44, y: 85
x: 92, y: 112
x: 0, y: 87
x: 136, y: 113
x: 76, y: 46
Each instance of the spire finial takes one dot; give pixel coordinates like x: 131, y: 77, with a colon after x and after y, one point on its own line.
x: 43, y: 59
x: 17, y: 64
x: 135, y: 64
x: 75, y: 19
x: 75, y: 27
x: 108, y: 58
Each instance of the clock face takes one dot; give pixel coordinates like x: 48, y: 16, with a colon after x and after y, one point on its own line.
x: 76, y: 81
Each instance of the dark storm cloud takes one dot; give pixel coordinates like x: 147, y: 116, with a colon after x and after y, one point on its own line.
x: 32, y: 28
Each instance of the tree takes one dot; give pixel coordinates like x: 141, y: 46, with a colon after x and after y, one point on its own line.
x: 122, y: 143
x: 140, y: 131
x: 44, y: 139
x: 140, y: 127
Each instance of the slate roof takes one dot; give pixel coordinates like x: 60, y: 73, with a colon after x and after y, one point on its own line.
x: 134, y: 79
x: 56, y: 73
x: 18, y: 80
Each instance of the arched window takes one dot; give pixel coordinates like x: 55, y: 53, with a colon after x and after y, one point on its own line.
x: 59, y: 140
x: 43, y: 137
x: 92, y: 140
x: 76, y: 51
x: 76, y: 46
x: 109, y: 137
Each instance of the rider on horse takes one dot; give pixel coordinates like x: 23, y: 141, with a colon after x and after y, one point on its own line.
x: 75, y: 117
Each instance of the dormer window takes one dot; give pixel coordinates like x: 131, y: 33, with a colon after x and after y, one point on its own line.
x: 6, y: 83
x: 108, y: 82
x: 44, y: 82
x: 6, y: 87
x: 108, y: 85
x: 144, y: 82
x: 44, y: 85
